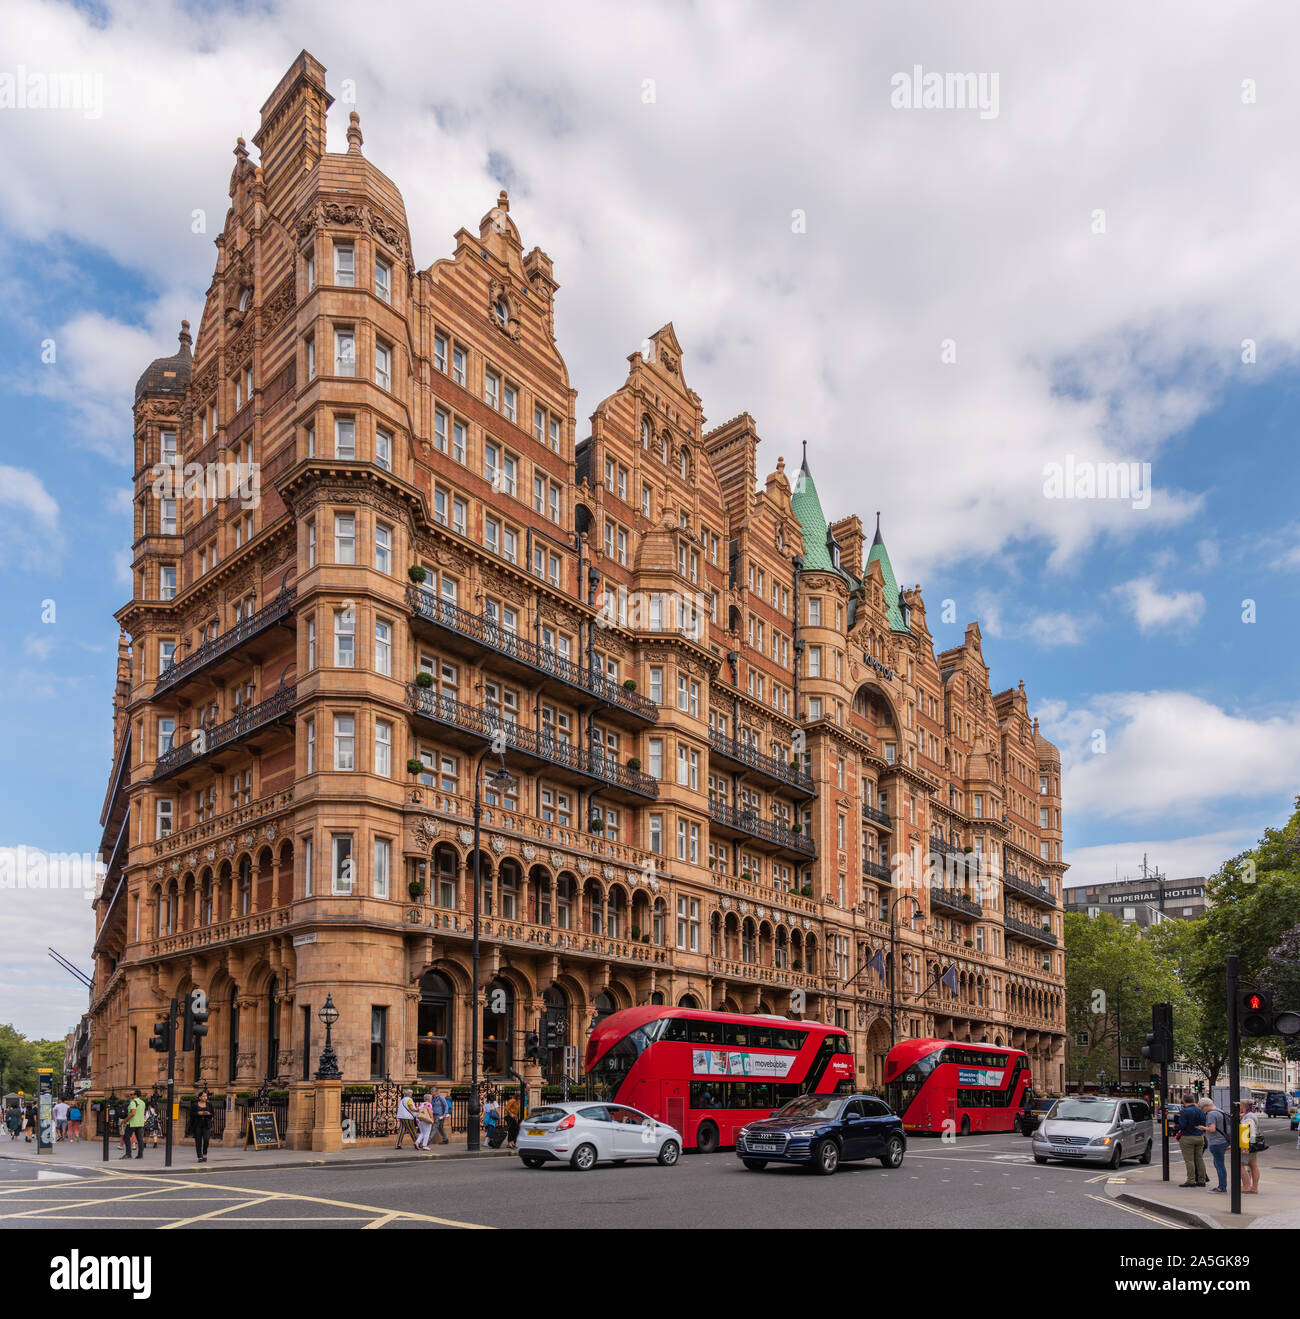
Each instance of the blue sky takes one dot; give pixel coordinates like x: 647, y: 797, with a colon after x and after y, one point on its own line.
x: 661, y: 155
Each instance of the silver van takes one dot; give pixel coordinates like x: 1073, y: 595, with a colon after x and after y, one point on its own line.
x: 1095, y: 1129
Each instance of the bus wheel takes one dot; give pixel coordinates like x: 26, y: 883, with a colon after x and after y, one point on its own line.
x: 706, y: 1138
x: 755, y: 1165
x: 893, y: 1155
x: 965, y: 1124
x: 584, y: 1158
x: 826, y: 1157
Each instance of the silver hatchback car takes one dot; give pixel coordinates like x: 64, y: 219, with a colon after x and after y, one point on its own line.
x: 583, y: 1134
x: 1095, y: 1129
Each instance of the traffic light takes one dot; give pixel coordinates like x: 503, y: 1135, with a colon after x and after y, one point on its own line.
x: 1159, y: 1047
x: 1256, y: 1012
x: 532, y: 1045
x: 162, y: 1036
x: 195, y: 1023
x: 554, y: 1036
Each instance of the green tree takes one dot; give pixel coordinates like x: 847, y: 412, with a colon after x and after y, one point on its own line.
x: 1281, y: 974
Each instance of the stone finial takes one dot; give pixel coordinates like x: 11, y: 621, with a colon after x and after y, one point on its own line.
x: 780, y: 465
x: 184, y: 336
x: 354, y: 134
x: 241, y: 149
x: 503, y: 200
x: 1022, y: 684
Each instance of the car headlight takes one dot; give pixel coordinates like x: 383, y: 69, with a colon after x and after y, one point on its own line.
x: 744, y: 1131
x: 1100, y: 1140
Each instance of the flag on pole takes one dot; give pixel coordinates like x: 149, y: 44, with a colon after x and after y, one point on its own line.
x: 949, y: 979
x: 877, y: 963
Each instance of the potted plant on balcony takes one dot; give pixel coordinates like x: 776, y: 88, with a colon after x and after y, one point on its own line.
x: 417, y: 574
x: 806, y: 890
x: 423, y: 679
x: 597, y: 824
x: 970, y: 943
x: 797, y: 964
x: 629, y: 684
x: 967, y: 849
x: 645, y: 938
x: 414, y: 766
x: 636, y: 932
x: 634, y: 762
x: 713, y: 861
x: 416, y: 889
x: 747, y: 874
x: 796, y: 828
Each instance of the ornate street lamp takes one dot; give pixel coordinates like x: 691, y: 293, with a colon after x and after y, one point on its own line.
x: 329, y: 1063
x: 501, y: 780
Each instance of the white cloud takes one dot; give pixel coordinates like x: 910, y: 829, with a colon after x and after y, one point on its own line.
x: 1154, y: 610
x: 1284, y: 549
x: 1068, y: 341
x: 1056, y: 629
x: 1170, y: 755
x: 39, y: 647
x: 31, y: 534
x: 1177, y: 858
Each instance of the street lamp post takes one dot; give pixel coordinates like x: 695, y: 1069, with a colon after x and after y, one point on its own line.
x: 329, y: 1063
x: 502, y: 780
x: 893, y: 943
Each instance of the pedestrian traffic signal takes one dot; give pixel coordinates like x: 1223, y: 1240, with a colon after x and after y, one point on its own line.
x: 532, y: 1045
x: 195, y: 1023
x: 1256, y: 1012
x: 162, y: 1036
x: 554, y: 1036
x: 1159, y: 1047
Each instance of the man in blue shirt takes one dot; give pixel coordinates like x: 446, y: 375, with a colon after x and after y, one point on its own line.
x: 1191, y: 1140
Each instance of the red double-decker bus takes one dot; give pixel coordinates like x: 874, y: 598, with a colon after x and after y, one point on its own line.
x: 708, y: 1073
x: 947, y: 1086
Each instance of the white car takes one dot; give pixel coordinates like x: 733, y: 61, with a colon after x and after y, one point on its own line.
x: 584, y: 1134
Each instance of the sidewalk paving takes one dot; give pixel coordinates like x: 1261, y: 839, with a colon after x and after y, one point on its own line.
x: 68, y: 1156
x: 1277, y: 1203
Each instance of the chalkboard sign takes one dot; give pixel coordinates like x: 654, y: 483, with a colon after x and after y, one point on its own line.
x: 262, y: 1131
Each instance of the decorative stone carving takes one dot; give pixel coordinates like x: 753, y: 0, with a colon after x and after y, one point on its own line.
x: 270, y: 833
x: 726, y: 904
x: 466, y: 836
x: 175, y: 866
x: 192, y: 860
x: 529, y: 852
x: 249, y: 839
x: 583, y: 865
x: 429, y: 828
x: 607, y: 871
x: 414, y: 916
x: 230, y: 847
x: 760, y: 912
x: 744, y: 908
x: 211, y: 853
x: 498, y: 844
x: 654, y: 884
x: 807, y: 924
x: 557, y: 859
x: 159, y: 872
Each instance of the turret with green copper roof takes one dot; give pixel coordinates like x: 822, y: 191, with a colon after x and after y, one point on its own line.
x: 821, y: 554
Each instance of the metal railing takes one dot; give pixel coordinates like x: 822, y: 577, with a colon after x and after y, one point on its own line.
x: 876, y: 814
x: 424, y: 604
x: 941, y: 897
x: 748, y: 754
x: 232, y: 730
x: 590, y: 761
x: 268, y: 615
x: 1015, y: 926
x: 877, y: 871
x: 750, y: 823
x: 1035, y: 892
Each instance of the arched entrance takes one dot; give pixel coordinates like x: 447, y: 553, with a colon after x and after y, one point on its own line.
x: 434, y: 1026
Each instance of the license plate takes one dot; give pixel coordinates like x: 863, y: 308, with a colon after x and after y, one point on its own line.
x: 536, y: 1131
x: 754, y: 1145
x: 1065, y: 1149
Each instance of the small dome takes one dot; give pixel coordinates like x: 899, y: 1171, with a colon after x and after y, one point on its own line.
x: 168, y: 375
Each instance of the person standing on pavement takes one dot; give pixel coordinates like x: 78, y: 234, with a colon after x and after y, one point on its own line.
x: 1191, y: 1140
x: 1216, y: 1141
x: 406, y: 1125
x: 60, y: 1120
x: 424, y: 1116
x: 511, y: 1111
x: 134, y: 1129
x: 201, y: 1125
x: 14, y: 1121
x: 1249, y: 1139
x: 74, y: 1121
x: 440, y: 1109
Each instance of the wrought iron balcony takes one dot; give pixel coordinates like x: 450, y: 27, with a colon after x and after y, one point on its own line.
x: 876, y: 814
x: 744, y: 753
x: 442, y: 613
x: 1027, y: 931
x: 267, y: 616
x: 950, y: 901
x: 748, y: 822
x: 952, y: 852
x: 878, y: 871
x: 588, y: 761
x: 206, y: 741
x: 1027, y: 888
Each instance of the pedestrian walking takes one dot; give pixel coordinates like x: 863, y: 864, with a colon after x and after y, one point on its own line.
x: 424, y: 1116
x: 74, y: 1121
x: 60, y: 1121
x: 406, y: 1123
x: 14, y: 1120
x: 151, y: 1123
x: 134, y: 1127
x: 441, y: 1108
x: 512, y: 1120
x: 1251, y: 1143
x: 1191, y: 1140
x: 1216, y: 1141
x: 29, y: 1122
x: 493, y: 1127
x: 200, y: 1125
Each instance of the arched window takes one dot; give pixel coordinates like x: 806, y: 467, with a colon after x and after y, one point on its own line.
x: 444, y: 877
x: 498, y: 1027
x: 645, y: 433
x: 433, y: 1026
x: 657, y: 929
x: 748, y: 942
x: 245, y: 885
x: 688, y: 1001
x: 604, y: 1005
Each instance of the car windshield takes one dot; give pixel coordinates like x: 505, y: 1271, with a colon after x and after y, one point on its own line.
x: 1083, y: 1110
x: 813, y: 1106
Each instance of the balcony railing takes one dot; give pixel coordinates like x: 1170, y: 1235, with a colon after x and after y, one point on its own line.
x: 1028, y: 931
x: 877, y: 871
x: 589, y: 761
x: 241, y: 817
x: 424, y: 604
x: 773, y: 766
x: 952, y: 852
x: 1027, y: 888
x: 763, y: 973
x: 876, y: 814
x: 267, y: 616
x: 213, y: 739
x: 750, y: 823
x: 942, y: 897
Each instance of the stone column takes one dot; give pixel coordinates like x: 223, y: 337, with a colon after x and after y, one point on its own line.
x: 327, y: 1119
x: 302, y: 1114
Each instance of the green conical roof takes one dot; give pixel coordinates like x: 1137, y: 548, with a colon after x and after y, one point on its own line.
x: 879, y: 554
x: 807, y: 507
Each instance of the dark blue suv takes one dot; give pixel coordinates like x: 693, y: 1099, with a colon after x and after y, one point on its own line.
x: 822, y: 1130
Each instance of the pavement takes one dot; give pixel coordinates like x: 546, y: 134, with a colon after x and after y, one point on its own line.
x: 90, y: 1154
x: 1275, y: 1205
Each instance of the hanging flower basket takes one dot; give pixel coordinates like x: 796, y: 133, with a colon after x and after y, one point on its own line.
x: 423, y: 679
x: 416, y: 573
x: 629, y: 684
x: 414, y: 766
